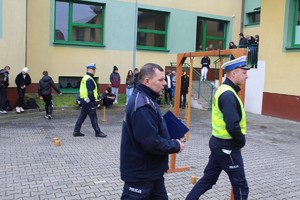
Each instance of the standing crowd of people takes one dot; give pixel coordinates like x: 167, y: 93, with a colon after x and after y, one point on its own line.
x: 248, y: 40
x: 145, y: 140
x: 22, y: 81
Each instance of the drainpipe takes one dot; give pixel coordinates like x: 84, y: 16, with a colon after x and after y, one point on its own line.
x: 242, y: 17
x: 135, y: 35
x: 26, y: 25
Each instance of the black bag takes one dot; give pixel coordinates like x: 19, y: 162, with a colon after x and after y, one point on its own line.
x: 8, y: 106
x: 31, y: 104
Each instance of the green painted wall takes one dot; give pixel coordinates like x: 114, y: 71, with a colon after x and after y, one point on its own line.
x: 250, y: 5
x: 119, y: 26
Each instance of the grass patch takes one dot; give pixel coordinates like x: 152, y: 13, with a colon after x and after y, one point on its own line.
x: 67, y: 100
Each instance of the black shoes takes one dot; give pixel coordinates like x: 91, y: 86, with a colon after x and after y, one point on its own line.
x: 78, y: 134
x: 101, y: 134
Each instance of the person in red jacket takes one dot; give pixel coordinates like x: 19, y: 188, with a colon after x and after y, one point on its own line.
x: 115, y: 81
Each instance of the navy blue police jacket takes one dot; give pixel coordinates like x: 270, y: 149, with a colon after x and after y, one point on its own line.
x: 145, y: 142
x: 231, y: 109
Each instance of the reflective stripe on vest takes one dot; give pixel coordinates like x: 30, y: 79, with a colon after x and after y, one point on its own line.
x: 218, y: 123
x: 83, y: 89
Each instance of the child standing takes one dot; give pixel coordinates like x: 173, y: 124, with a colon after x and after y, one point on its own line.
x: 44, y: 90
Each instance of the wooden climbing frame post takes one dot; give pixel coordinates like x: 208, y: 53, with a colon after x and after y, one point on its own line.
x: 104, y: 115
x: 188, y: 108
x: 173, y: 167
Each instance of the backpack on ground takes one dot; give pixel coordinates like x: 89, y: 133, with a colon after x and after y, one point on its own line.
x: 8, y: 106
x: 31, y: 104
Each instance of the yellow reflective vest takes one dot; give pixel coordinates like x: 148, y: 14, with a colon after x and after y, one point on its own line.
x: 83, y: 89
x: 218, y: 123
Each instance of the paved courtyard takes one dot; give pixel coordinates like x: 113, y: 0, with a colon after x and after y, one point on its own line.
x: 32, y: 168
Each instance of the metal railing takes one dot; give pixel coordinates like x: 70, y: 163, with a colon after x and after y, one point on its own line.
x: 204, y: 89
x: 252, y: 54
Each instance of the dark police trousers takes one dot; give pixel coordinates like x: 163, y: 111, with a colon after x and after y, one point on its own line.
x: 90, y: 110
x: 222, y: 159
x: 145, y: 190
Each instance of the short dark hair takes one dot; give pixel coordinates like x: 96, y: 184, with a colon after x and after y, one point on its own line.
x: 241, y: 34
x: 45, y: 73
x: 108, y: 89
x: 148, y: 70
x: 7, y: 67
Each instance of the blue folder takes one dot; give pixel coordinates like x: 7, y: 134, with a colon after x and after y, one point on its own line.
x: 176, y: 128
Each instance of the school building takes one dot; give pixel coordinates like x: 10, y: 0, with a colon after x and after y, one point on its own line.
x: 63, y: 36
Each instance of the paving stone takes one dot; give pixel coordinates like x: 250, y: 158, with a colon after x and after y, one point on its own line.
x: 31, y: 167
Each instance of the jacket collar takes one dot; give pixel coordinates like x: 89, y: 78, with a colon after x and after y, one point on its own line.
x: 231, y: 84
x: 148, y: 91
x: 92, y: 75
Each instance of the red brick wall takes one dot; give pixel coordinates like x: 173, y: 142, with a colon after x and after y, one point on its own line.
x: 282, y: 106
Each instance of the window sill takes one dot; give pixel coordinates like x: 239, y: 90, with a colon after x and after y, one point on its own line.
x: 291, y: 48
x: 253, y: 24
x: 152, y: 48
x: 78, y: 44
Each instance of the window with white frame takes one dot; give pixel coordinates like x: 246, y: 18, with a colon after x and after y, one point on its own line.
x: 79, y: 23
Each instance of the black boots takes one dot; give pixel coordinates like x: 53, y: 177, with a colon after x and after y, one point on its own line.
x: 78, y: 134
x: 101, y: 134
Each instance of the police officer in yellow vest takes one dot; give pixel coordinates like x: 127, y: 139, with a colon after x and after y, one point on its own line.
x: 228, y: 134
x: 88, y: 96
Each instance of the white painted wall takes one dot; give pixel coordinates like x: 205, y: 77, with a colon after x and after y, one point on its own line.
x: 255, y: 88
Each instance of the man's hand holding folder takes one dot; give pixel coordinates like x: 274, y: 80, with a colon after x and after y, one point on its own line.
x: 176, y: 128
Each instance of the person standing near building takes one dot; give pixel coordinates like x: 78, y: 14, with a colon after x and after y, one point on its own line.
x: 228, y: 134
x: 173, y: 83
x: 205, y: 62
x: 129, y: 85
x: 243, y: 41
x: 185, y: 79
x: 115, y: 81
x: 232, y: 46
x: 256, y: 37
x: 44, y: 91
x: 4, y: 83
x: 145, y: 141
x: 88, y: 92
x: 22, y: 81
x: 168, y: 87
x: 136, y: 77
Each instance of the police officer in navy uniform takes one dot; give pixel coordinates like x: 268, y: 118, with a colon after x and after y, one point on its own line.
x: 88, y: 99
x: 145, y: 142
x: 228, y: 134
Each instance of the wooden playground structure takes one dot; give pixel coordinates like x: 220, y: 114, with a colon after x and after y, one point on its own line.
x: 181, y: 58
